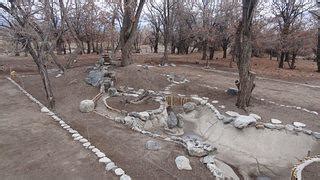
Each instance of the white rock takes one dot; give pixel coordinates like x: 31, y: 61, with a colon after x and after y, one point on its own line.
x: 86, y: 106
x: 87, y: 144
x: 257, y: 117
x: 144, y: 115
x: 208, y: 159
x: 104, y: 160
x: 78, y: 138
x: 118, y: 171
x: 222, y: 107
x: 91, y: 147
x: 214, y: 102
x: 100, y: 154
x: 83, y: 140
x: 58, y: 75
x: 75, y: 135
x: 183, y: 163
x: 299, y: 124
x: 66, y: 127
x: 110, y: 166
x: 95, y: 150
x: 276, y: 121
x: 242, y: 121
x: 232, y: 113
x: 125, y: 177
x: 45, y: 110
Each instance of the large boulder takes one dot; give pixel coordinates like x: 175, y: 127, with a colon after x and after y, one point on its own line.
x: 172, y: 120
x: 189, y: 106
x: 95, y: 77
x: 183, y: 163
x: 243, y: 121
x: 86, y: 106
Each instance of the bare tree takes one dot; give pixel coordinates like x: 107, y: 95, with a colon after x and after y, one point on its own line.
x: 243, y: 53
x: 317, y: 16
x: 36, y: 38
x: 131, y: 16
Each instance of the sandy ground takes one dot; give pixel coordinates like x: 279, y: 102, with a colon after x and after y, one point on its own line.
x: 33, y: 147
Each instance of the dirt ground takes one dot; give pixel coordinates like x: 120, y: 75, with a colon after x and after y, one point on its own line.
x: 127, y: 148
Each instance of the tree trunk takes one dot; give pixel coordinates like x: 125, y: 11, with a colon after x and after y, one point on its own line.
x: 204, y: 49
x: 126, y: 56
x: 243, y: 54
x: 211, y: 53
x: 16, y: 49
x: 60, y: 45
x: 224, y: 52
x: 281, y: 62
x: 88, y: 47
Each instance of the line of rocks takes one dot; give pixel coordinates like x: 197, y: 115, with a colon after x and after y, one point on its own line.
x: 293, y: 107
x: 298, y: 168
x: 102, y: 158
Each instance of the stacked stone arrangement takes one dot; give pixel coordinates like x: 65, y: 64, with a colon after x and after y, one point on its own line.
x: 101, y: 156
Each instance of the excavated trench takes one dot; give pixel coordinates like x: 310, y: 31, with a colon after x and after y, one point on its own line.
x: 250, y: 152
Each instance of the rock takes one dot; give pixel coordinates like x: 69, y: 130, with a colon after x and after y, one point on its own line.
x: 105, y: 85
x: 299, y: 124
x: 152, y: 145
x: 125, y: 177
x: 110, y: 166
x: 222, y: 106
x: 144, y: 115
x: 86, y: 106
x: 95, y: 78
x: 260, y: 126
x: 44, y: 110
x: 148, y: 125
x: 118, y: 171
x: 297, y: 129
x: 232, y: 113
x: 279, y: 126
x: 83, y: 140
x: 214, y: 102
x: 75, y: 135
x: 87, y: 144
x: 78, y: 138
x: 100, y: 154
x: 172, y: 120
x: 232, y: 91
x: 307, y: 131
x: 183, y: 163
x: 257, y: 117
x: 316, y: 135
x: 289, y: 127
x: 95, y: 150
x: 180, y: 121
x: 269, y: 125
x: 242, y: 121
x: 208, y: 159
x: 276, y: 121
x: 104, y: 160
x: 227, y: 120
x: 215, y: 170
x: 112, y: 91
x: 58, y: 75
x: 189, y: 106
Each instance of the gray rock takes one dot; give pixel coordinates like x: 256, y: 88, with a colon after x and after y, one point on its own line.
x: 180, y: 121
x: 189, y: 106
x: 289, y: 127
x: 307, y: 131
x: 172, y: 120
x: 148, y: 125
x: 125, y: 177
x: 298, y: 129
x: 86, y: 106
x: 95, y: 77
x: 105, y: 85
x: 269, y: 126
x: 279, y: 126
x: 208, y: 159
x: 232, y: 113
x: 243, y: 121
x: 152, y: 145
x: 227, y: 120
x: 316, y: 135
x: 257, y: 117
x: 112, y: 91
x: 232, y: 91
x: 83, y: 140
x: 110, y: 166
x: 183, y: 163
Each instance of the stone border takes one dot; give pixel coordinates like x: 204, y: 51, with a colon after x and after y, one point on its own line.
x: 102, y: 158
x: 297, y: 170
